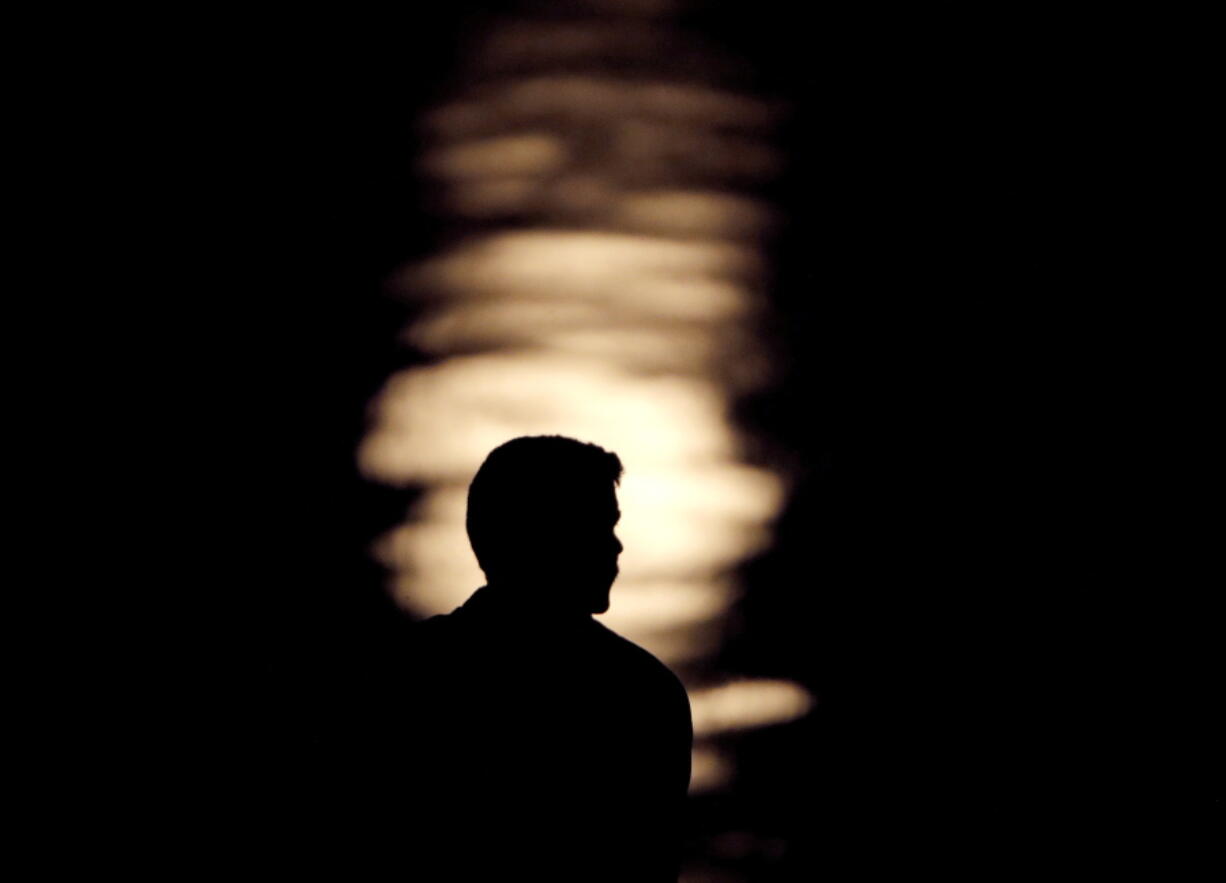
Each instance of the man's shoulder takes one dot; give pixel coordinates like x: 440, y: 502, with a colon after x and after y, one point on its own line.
x: 643, y: 662
x: 437, y: 632
x: 428, y: 639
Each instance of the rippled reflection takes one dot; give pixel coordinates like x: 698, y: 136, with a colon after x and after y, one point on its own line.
x: 606, y: 285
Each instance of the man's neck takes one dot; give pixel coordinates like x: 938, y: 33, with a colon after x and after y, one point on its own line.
x: 535, y: 601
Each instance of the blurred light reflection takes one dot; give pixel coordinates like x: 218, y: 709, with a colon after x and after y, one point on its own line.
x: 501, y: 156
x: 616, y: 303
x: 710, y: 770
x: 742, y: 705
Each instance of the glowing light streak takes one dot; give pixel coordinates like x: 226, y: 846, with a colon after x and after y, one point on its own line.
x: 747, y: 704
x: 525, y: 154
x: 683, y: 107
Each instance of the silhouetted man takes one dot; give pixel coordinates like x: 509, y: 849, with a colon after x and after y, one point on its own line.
x: 547, y: 747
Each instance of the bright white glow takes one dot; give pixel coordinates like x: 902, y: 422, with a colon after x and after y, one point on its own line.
x: 626, y: 274
x: 571, y: 328
x: 746, y: 704
x: 651, y: 606
x: 438, y: 422
x: 689, y: 514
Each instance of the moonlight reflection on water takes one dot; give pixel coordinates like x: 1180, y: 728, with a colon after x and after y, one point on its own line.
x: 606, y: 283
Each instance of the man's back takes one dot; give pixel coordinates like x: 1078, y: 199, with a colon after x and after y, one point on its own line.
x: 555, y: 748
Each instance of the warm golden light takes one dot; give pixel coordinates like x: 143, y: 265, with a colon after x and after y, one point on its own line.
x: 612, y: 295
x: 710, y: 770
x: 509, y: 155
x: 746, y: 704
x: 690, y: 513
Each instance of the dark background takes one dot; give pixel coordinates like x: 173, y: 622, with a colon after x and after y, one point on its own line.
x: 989, y: 671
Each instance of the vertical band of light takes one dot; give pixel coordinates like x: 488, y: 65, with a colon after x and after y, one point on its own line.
x: 605, y: 282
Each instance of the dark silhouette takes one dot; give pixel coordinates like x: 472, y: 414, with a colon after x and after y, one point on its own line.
x: 544, y: 746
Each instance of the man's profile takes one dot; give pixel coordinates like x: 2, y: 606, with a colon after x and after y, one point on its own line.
x: 547, y: 747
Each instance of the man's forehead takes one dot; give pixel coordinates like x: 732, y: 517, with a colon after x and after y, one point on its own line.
x: 606, y: 500
x: 606, y: 503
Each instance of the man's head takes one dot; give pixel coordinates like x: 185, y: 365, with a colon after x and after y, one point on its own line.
x: 541, y: 514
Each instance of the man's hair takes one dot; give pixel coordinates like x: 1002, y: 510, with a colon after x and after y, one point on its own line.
x: 532, y: 483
